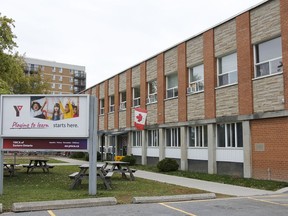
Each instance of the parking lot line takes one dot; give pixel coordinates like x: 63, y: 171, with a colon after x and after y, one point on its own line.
x: 176, y: 209
x: 267, y: 201
x: 51, y: 213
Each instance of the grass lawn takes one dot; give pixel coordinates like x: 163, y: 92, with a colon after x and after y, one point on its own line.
x: 39, y: 186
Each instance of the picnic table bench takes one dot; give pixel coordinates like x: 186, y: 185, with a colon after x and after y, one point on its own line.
x: 120, y: 167
x: 101, y: 174
x: 10, y: 168
x: 38, y: 164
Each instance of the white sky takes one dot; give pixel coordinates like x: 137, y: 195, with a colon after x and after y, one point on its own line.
x: 110, y: 36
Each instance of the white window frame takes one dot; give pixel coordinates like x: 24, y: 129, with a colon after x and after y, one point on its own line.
x: 153, y: 138
x: 136, y: 100
x: 152, y: 96
x: 174, y: 89
x: 60, y: 86
x: 196, y: 85
x: 229, y: 73
x: 173, y: 137
x: 102, y: 106
x: 53, y: 85
x: 60, y: 78
x: 137, y: 138
x: 53, y: 69
x: 267, y: 64
x: 60, y: 70
x: 230, y: 135
x: 198, y: 137
x: 122, y: 101
x: 111, y: 104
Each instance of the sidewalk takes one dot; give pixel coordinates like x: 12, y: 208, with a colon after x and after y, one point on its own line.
x: 213, y: 187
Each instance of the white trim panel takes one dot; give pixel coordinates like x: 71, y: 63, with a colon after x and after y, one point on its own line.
x: 230, y: 155
x: 153, y: 152
x: 198, y: 153
x: 172, y: 152
x: 137, y: 151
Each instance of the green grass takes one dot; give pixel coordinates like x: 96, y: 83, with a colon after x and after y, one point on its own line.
x: 39, y: 186
x: 252, y: 183
x: 26, y: 159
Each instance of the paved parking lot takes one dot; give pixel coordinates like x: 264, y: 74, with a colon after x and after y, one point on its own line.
x: 256, y: 206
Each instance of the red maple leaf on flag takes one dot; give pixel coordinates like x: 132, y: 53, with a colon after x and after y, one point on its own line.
x: 139, y: 117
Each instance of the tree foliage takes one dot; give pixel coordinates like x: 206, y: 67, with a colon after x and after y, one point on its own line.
x: 12, y: 77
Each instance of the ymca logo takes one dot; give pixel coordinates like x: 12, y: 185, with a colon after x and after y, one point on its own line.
x: 18, y: 109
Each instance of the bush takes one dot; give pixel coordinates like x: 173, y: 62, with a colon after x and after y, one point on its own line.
x: 129, y: 158
x: 167, y: 165
x: 77, y: 155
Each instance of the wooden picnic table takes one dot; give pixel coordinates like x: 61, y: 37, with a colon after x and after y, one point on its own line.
x: 120, y: 167
x: 101, y: 174
x: 10, y: 167
x: 38, y: 164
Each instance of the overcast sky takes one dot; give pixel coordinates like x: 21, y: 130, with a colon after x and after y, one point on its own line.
x: 110, y: 36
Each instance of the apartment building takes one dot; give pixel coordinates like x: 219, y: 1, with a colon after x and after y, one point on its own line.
x: 64, y: 78
x: 217, y: 102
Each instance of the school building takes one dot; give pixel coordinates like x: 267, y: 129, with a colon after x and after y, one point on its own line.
x: 217, y: 102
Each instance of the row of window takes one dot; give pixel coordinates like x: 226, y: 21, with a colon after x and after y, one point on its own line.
x: 228, y: 136
x: 268, y: 60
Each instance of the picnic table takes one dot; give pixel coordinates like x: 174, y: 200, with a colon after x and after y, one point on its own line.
x: 120, y: 167
x: 10, y: 167
x: 38, y: 164
x: 101, y: 174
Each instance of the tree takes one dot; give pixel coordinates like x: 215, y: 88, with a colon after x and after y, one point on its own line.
x: 12, y: 76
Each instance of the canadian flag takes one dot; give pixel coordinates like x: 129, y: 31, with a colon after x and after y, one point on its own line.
x: 140, y: 118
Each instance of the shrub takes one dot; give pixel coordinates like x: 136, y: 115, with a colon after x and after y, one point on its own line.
x: 129, y: 158
x: 167, y: 165
x: 77, y: 155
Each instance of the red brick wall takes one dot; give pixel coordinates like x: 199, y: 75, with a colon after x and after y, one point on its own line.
x: 161, y: 87
x: 116, y: 101
x: 97, y: 92
x: 273, y: 161
x: 106, y: 101
x: 128, y: 97
x: 182, y: 83
x: 143, y: 85
x: 209, y: 75
x: 245, y: 64
x: 284, y: 34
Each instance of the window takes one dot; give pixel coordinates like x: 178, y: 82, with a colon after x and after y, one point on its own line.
x: 172, y: 85
x: 153, y: 140
x: 71, y: 79
x: 102, y: 106
x: 71, y: 87
x: 123, y: 100
x: 136, y: 96
x: 137, y: 138
x: 60, y: 78
x: 53, y: 85
x: 60, y: 70
x: 53, y: 77
x: 229, y: 135
x: 268, y: 57
x: 173, y: 137
x: 227, y: 70
x: 53, y: 69
x: 60, y: 86
x: 198, y: 136
x: 152, y: 92
x: 196, y: 79
x: 71, y: 71
x: 111, y: 104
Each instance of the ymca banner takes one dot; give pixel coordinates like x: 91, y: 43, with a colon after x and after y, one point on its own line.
x: 140, y: 118
x: 45, y: 116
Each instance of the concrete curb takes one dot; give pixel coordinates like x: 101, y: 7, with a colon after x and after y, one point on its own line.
x: 174, y: 198
x: 61, y: 204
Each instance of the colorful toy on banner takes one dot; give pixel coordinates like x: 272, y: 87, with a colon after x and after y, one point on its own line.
x: 140, y: 118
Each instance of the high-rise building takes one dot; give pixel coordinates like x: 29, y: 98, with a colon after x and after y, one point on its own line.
x: 64, y: 78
